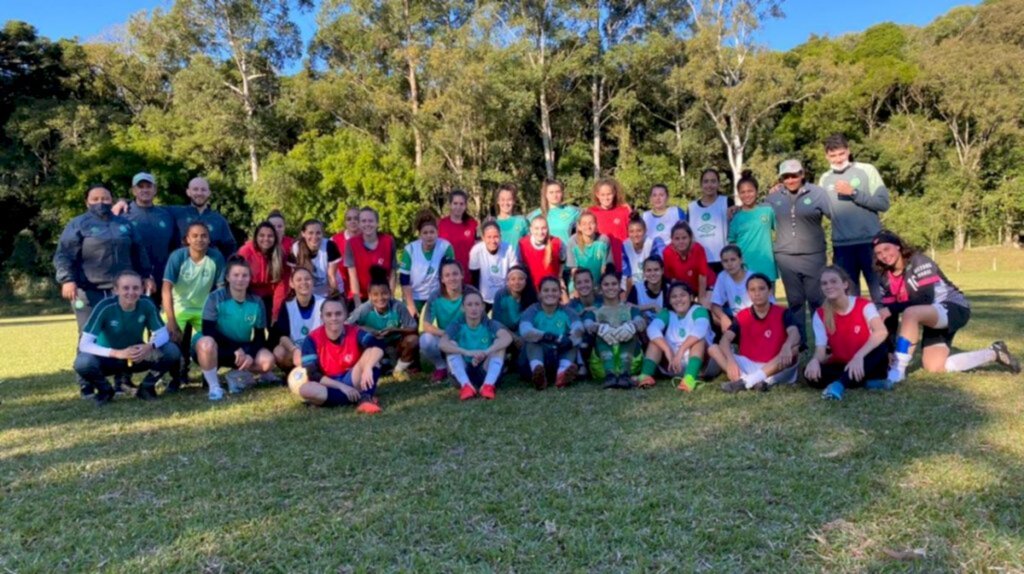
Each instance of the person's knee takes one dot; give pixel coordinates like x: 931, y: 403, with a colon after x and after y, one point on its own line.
x: 280, y: 355
x: 312, y: 392
x: 264, y: 361
x: 86, y: 364
x: 170, y: 354
x: 934, y: 365
x: 206, y: 346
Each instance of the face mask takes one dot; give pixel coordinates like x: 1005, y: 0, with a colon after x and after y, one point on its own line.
x: 841, y: 167
x: 101, y: 210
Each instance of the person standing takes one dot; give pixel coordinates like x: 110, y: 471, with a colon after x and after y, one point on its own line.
x: 610, y: 209
x: 709, y: 218
x: 560, y: 218
x: 154, y: 225
x: 459, y: 229
x: 512, y: 223
x: 341, y: 239
x: 751, y: 228
x: 858, y: 195
x: 661, y: 217
x: 198, y: 193
x: 366, y: 250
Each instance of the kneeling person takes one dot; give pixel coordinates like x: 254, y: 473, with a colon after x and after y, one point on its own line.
x: 387, y: 324
x: 479, y: 340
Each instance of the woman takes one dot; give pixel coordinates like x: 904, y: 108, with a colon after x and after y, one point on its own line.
x: 660, y: 218
x: 650, y: 295
x: 751, y: 229
x: 299, y: 316
x: 475, y: 346
x: 849, y: 338
x: 687, y: 262
x: 388, y: 324
x: 767, y: 340
x: 588, y: 249
x: 93, y: 249
x: 234, y: 324
x: 420, y: 263
x: 269, y: 270
x: 489, y: 262
x: 542, y: 254
x: 442, y: 309
x: 709, y: 217
x: 511, y: 222
x: 337, y: 369
x: 678, y: 339
x: 509, y: 304
x: 319, y: 256
x: 585, y: 304
x: 560, y: 219
x: 112, y: 342
x: 920, y: 296
x: 552, y: 333
x: 610, y: 208
x: 637, y: 249
x: 366, y: 250
x: 284, y: 240
x: 730, y: 293
x: 617, y: 325
x: 458, y: 228
x: 191, y: 274
x: 341, y: 239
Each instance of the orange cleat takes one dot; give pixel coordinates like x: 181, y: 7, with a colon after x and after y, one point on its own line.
x: 487, y: 392
x: 539, y: 378
x: 467, y: 393
x: 566, y: 377
x: 368, y: 408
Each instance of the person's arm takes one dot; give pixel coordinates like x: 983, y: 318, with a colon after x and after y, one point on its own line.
x: 656, y: 333
x: 310, y: 361
x: 527, y: 331
x: 725, y: 347
x: 877, y: 197
x: 879, y: 335
x: 353, y: 277
x: 281, y: 330
x: 167, y: 300
x: 87, y: 344
x: 226, y: 244
x: 65, y: 259
x: 448, y: 344
x: 427, y: 315
x: 575, y: 327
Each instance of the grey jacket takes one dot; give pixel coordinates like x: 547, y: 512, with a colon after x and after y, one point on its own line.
x: 855, y: 217
x: 93, y: 250
x: 798, y: 216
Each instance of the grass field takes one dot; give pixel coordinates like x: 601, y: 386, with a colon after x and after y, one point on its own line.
x: 927, y: 478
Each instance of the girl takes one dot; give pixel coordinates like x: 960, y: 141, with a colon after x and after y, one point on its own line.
x: 319, y: 256
x: 191, y: 274
x: 588, y: 249
x: 650, y: 295
x: 552, y: 332
x: 388, y: 324
x: 637, y: 249
x: 542, y: 254
x: 481, y: 342
x: 234, y: 321
x: 420, y: 262
x: 617, y: 328
x: 366, y: 250
x: 337, y: 369
x: 509, y: 304
x: 686, y: 261
x: 751, y: 229
x: 730, y: 293
x: 560, y: 219
x: 512, y: 224
x: 270, y: 273
x: 610, y: 208
x: 660, y: 218
x: 299, y: 317
x: 678, y: 338
x: 585, y: 303
x: 768, y: 341
x: 709, y: 216
x: 849, y: 338
x: 459, y: 228
x: 489, y: 262
x: 341, y: 240
x: 918, y: 293
x: 442, y: 309
x: 277, y: 220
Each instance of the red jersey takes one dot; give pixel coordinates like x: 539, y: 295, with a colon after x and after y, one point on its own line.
x: 462, y: 236
x: 383, y: 255
x: 615, y: 246
x: 533, y: 259
x: 852, y: 332
x: 613, y: 222
x: 261, y: 285
x: 689, y: 270
x: 760, y: 340
x: 334, y: 358
x: 341, y: 241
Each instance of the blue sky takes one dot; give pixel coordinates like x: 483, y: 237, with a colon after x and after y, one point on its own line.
x: 89, y: 19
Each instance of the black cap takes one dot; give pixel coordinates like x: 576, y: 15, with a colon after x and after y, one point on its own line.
x: 885, y: 236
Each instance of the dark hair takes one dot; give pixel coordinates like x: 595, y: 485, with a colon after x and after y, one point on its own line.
x: 689, y: 231
x: 379, y: 277
x: 759, y: 277
x: 637, y: 218
x: 511, y: 188
x: 582, y: 271
x: 654, y: 259
x: 549, y: 279
x: 274, y: 256
x: 713, y: 170
x: 529, y: 295
x: 423, y: 218
x: 610, y: 273
x: 544, y: 207
x: 487, y: 224
x: 304, y: 256
x: 291, y: 290
x: 836, y: 141
x: 732, y: 248
x: 747, y: 177
x: 329, y: 300
x: 470, y: 293
x: 660, y: 186
x: 276, y: 213
x: 885, y: 236
x: 679, y: 285
x: 440, y: 273
x: 184, y: 240
x: 89, y: 189
x: 618, y: 194
x: 458, y: 193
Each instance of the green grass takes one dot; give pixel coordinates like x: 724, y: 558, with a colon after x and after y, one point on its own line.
x: 580, y: 480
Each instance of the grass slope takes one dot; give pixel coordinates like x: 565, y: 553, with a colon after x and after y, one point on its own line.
x: 580, y: 480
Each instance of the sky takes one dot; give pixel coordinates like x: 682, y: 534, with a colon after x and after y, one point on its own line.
x: 92, y: 19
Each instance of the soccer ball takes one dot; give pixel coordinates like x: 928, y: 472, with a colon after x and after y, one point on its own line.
x: 297, y: 378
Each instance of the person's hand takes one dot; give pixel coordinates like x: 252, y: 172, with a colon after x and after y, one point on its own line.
x: 173, y: 331
x: 785, y: 358
x: 479, y: 357
x: 351, y: 393
x: 844, y: 188
x: 356, y: 300
x: 549, y: 339
x: 365, y: 381
x: 412, y: 311
x: 69, y: 290
x: 884, y: 313
x: 726, y: 323
x: 776, y: 187
x: 242, y: 360
x: 533, y: 336
x: 675, y: 364
x: 705, y: 300
x: 119, y: 208
x: 855, y: 368
x: 732, y: 369
x: 731, y: 212
x: 149, y: 286
x: 297, y: 357
x: 119, y: 354
x: 813, y: 370
x: 138, y: 353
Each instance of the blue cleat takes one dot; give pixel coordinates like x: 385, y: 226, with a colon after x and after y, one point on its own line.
x: 834, y: 392
x: 879, y: 385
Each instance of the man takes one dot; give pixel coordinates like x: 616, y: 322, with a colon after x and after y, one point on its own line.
x: 154, y: 225
x: 858, y: 195
x: 198, y: 192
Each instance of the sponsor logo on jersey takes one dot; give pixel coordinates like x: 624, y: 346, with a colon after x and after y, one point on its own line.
x: 768, y: 334
x: 764, y: 219
x: 739, y: 300
x: 706, y: 228
x: 115, y: 323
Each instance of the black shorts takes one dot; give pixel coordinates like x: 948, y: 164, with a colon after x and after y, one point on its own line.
x: 957, y: 317
x: 226, y: 353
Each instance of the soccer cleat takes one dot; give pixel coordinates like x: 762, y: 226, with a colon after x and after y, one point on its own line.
x: 216, y: 394
x: 104, y: 395
x: 895, y: 376
x: 173, y: 386
x: 610, y: 381
x: 1003, y: 357
x: 686, y: 383
x: 734, y: 386
x: 645, y: 382
x: 86, y: 391
x: 238, y: 381
x: 270, y: 379
x: 625, y: 382
x: 368, y: 408
x: 834, y: 392
x: 763, y: 386
x: 539, y: 378
x: 566, y: 377
x: 878, y: 385
x: 487, y: 392
x: 439, y: 375
x: 146, y: 392
x: 467, y: 392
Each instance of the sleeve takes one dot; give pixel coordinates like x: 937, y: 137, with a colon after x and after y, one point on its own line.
x: 627, y: 263
x: 427, y: 314
x: 877, y: 197
x: 160, y: 337
x: 513, y: 255
x: 259, y: 329
x: 405, y: 320
x: 820, y: 334
x: 789, y: 320
x: 926, y: 274
x: 310, y: 360
x: 281, y: 327
x: 824, y: 203
x: 69, y: 249
x: 218, y: 261
x: 87, y: 344
x: 718, y: 295
x: 358, y: 313
x: 140, y: 255
x: 333, y: 255
x: 210, y: 315
x: 452, y: 330
x: 153, y: 321
x: 656, y: 330
x: 701, y: 323
x: 575, y: 325
x: 94, y: 325
x: 349, y: 260
x: 561, y: 252
x: 173, y: 267
x: 449, y: 251
x: 227, y: 244
x: 569, y: 255
x: 474, y: 259
x: 526, y: 320
x: 404, y: 265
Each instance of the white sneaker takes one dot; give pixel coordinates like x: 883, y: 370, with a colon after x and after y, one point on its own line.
x: 216, y: 394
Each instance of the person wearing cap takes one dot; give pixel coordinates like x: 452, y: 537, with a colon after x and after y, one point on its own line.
x: 858, y: 195
x: 799, y: 238
x: 154, y: 225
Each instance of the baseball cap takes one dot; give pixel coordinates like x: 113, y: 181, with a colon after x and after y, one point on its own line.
x: 143, y: 176
x: 790, y: 166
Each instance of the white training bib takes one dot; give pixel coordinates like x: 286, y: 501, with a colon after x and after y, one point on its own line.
x: 711, y: 226
x: 299, y: 328
x: 661, y: 225
x: 423, y: 274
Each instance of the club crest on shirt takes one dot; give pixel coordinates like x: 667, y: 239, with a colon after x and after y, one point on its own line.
x: 738, y: 300
x: 764, y: 219
x: 855, y: 182
x: 617, y: 221
x: 856, y: 329
x: 380, y: 261
x: 807, y: 201
x: 682, y: 333
x: 122, y: 228
x: 141, y: 320
x: 250, y: 318
x: 660, y: 227
x: 347, y: 358
x: 494, y: 268
x: 162, y: 223
x: 304, y: 330
x: 469, y: 233
x: 768, y: 334
x: 705, y: 217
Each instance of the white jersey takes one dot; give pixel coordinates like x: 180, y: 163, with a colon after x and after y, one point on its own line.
x: 493, y: 267
x: 731, y: 295
x: 299, y: 328
x: 711, y: 226
x: 660, y: 226
x: 320, y: 285
x: 667, y: 324
x: 424, y: 273
x: 633, y: 260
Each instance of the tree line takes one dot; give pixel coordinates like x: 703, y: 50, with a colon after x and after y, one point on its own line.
x: 399, y: 101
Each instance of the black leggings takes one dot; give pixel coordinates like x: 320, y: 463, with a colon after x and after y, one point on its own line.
x: 876, y: 366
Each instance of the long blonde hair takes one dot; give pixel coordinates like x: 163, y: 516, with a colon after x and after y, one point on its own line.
x: 829, y: 308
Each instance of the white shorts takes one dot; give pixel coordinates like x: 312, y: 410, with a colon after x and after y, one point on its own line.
x: 787, y: 376
x: 746, y: 365
x: 943, y: 313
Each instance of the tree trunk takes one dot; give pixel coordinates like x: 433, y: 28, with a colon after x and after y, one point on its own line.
x: 545, y: 133
x: 960, y: 233
x: 414, y: 92
x: 595, y: 123
x: 679, y: 150
x: 736, y: 163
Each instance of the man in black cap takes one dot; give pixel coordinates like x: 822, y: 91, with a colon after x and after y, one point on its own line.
x: 155, y: 227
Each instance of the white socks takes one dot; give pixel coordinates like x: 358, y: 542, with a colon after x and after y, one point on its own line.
x: 751, y: 379
x: 494, y: 366
x: 211, y: 379
x: 457, y: 366
x: 563, y: 365
x: 402, y: 366
x: 967, y: 361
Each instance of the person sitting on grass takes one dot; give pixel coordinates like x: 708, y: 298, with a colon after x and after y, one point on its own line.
x: 617, y: 328
x: 489, y: 262
x: 850, y: 340
x: 112, y: 341
x: 686, y: 261
x: 234, y: 333
x: 584, y: 304
x: 728, y: 297
x: 587, y: 249
x: 678, y: 338
x: 552, y: 333
x: 767, y: 339
x: 387, y: 324
x: 651, y: 295
x: 917, y: 294
x: 191, y: 274
x: 298, y: 317
x: 337, y: 369
x: 481, y: 342
x: 636, y: 250
x: 509, y: 304
x: 443, y: 308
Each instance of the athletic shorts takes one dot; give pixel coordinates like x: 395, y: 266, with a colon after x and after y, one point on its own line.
x: 746, y: 365
x: 952, y: 318
x: 663, y: 367
x: 226, y: 353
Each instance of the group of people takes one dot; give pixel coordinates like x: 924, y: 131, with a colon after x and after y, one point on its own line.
x: 620, y: 296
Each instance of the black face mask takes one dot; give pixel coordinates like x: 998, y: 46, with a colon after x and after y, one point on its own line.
x: 101, y: 210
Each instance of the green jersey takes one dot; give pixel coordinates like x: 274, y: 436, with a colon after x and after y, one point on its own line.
x: 235, y: 320
x: 395, y: 317
x: 561, y: 220
x: 442, y: 310
x: 193, y: 280
x: 513, y: 228
x: 592, y: 257
x: 751, y: 230
x: 119, y: 329
x: 560, y: 322
x: 477, y: 338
